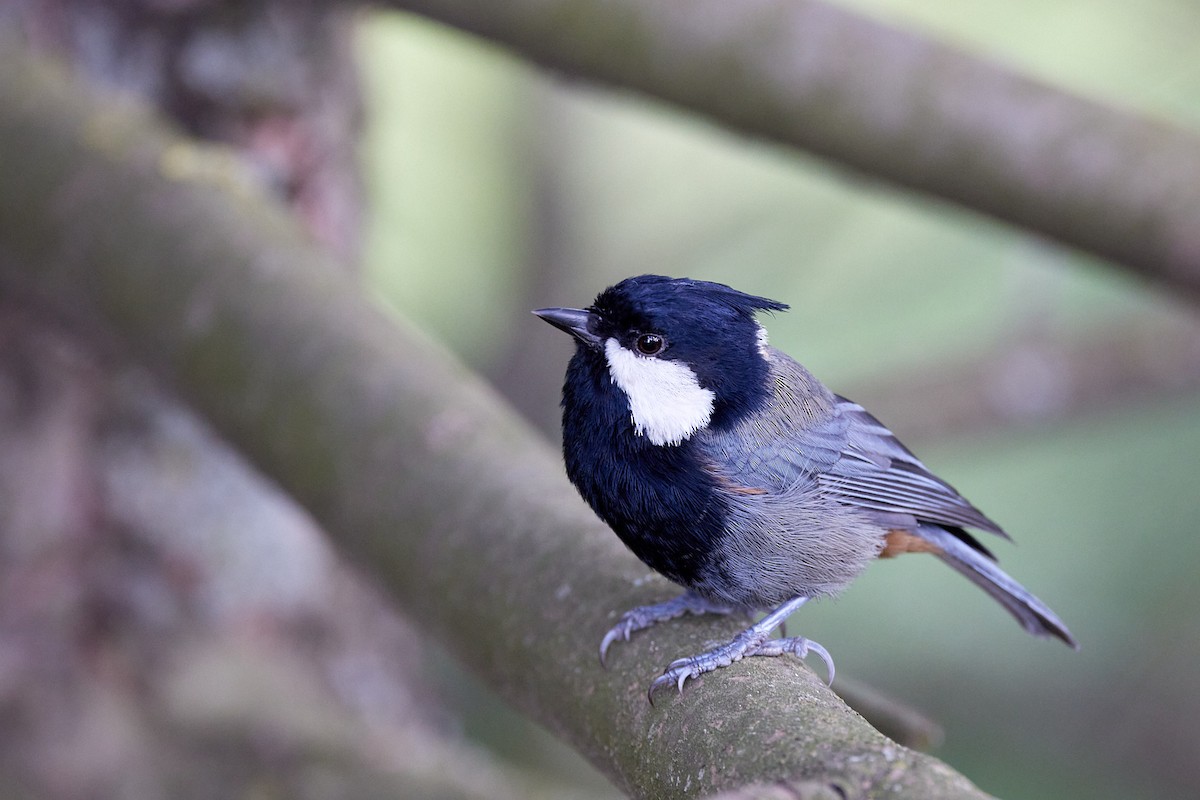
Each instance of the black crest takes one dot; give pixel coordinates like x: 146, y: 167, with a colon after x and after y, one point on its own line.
x: 648, y: 299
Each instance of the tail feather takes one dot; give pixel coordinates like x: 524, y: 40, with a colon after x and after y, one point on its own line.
x: 1034, y: 615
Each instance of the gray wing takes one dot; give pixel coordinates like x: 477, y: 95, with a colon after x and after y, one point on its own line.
x: 877, y: 472
x: 799, y: 436
x: 807, y: 436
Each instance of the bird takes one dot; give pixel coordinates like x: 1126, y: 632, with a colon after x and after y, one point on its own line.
x: 730, y: 469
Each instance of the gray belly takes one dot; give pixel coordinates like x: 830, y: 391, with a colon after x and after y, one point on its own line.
x: 779, y: 546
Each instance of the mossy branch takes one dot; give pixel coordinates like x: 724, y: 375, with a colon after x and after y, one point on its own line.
x: 417, y: 470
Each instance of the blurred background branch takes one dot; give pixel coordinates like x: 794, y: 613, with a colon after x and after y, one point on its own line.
x: 172, y: 624
x: 889, y: 103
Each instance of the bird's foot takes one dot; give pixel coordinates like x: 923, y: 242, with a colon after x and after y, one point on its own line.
x: 799, y: 647
x: 754, y: 641
x: 643, y: 617
x: 750, y: 642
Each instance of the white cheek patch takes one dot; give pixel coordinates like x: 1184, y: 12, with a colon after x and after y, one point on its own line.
x: 667, y: 402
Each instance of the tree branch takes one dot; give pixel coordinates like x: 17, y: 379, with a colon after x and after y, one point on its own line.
x: 1040, y: 375
x: 887, y: 102
x: 414, y: 466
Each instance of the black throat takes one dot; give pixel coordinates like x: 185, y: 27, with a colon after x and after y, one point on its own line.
x: 658, y: 499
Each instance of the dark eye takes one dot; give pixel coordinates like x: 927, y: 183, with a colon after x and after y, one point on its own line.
x: 650, y: 343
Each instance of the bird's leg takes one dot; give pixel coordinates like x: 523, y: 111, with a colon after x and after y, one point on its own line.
x: 642, y: 617
x: 754, y: 641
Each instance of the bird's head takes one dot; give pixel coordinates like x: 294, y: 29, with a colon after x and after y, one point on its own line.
x: 686, y: 354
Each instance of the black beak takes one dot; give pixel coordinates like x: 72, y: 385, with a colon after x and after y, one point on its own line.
x: 575, y: 321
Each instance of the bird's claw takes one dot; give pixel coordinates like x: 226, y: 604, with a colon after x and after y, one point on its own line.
x: 643, y: 617
x: 799, y: 647
x: 622, y: 630
x: 677, y: 674
x: 676, y: 677
x: 742, y: 646
x: 680, y: 670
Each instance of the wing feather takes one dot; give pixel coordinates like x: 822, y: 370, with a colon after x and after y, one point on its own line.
x: 878, y: 472
x: 809, y: 437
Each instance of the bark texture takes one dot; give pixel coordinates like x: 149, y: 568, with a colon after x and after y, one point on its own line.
x: 151, y: 647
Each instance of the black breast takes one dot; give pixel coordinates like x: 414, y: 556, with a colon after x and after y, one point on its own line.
x: 657, y: 499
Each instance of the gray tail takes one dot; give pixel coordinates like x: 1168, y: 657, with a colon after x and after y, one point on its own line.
x: 1034, y: 615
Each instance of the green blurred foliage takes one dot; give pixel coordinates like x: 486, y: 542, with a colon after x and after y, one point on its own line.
x: 445, y: 177
x: 464, y: 144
